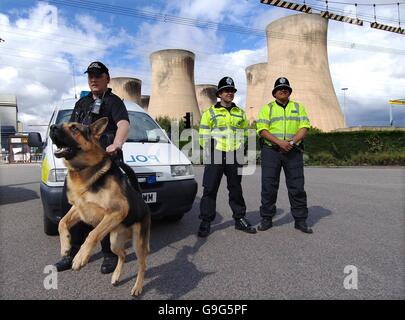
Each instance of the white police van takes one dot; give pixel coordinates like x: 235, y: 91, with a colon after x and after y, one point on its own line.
x: 165, y: 174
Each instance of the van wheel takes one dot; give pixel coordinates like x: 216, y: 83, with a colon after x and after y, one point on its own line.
x: 50, y: 228
x: 174, y: 217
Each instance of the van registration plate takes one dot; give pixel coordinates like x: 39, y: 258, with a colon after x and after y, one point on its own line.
x: 149, y: 197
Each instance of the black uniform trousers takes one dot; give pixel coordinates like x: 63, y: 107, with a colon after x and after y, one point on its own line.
x: 212, y: 179
x: 293, y: 165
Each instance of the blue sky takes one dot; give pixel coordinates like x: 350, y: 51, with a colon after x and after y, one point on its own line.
x: 46, y: 42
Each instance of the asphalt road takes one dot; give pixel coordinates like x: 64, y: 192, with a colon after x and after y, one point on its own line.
x: 357, y: 215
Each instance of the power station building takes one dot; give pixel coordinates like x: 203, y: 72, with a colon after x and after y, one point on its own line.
x: 297, y: 50
x: 8, y: 118
x: 206, y: 96
x: 145, y: 102
x: 256, y: 77
x: 128, y: 89
x: 173, y: 88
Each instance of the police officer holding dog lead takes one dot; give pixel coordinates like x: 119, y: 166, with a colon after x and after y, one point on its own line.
x: 99, y: 103
x: 282, y: 126
x: 220, y: 140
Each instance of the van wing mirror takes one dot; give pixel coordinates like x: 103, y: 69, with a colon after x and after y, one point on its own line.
x: 34, y: 139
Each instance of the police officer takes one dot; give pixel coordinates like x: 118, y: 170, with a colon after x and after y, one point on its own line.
x: 282, y: 126
x: 100, y: 102
x: 220, y: 136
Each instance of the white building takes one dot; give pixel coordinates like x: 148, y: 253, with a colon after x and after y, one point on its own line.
x: 8, y: 118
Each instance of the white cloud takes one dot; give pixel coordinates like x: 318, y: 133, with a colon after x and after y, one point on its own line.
x: 37, y: 56
x: 373, y: 77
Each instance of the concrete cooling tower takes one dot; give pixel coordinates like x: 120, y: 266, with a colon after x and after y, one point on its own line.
x: 256, y: 81
x: 297, y: 50
x: 206, y: 96
x: 128, y: 89
x: 145, y: 102
x: 173, y: 92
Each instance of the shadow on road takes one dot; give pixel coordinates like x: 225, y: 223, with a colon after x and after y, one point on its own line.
x: 169, y: 278
x: 254, y: 216
x: 179, y: 276
x: 315, y: 214
x: 14, y: 195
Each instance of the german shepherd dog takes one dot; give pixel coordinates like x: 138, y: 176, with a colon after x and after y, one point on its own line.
x: 101, y: 196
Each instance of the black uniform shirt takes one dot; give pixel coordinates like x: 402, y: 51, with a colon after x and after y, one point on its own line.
x: 112, y: 107
x: 281, y: 105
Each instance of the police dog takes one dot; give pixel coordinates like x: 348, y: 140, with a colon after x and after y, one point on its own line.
x: 101, y: 196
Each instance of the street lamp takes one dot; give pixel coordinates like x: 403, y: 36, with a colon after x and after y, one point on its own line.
x: 344, y: 105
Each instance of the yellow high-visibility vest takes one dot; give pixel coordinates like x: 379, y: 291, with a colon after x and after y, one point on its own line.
x: 281, y: 122
x: 227, y: 128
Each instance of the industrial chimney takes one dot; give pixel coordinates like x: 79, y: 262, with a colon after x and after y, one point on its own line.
x: 304, y: 61
x: 206, y: 96
x: 173, y: 92
x: 128, y: 89
x: 255, y: 98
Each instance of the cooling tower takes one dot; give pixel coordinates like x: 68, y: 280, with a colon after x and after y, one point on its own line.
x: 145, y: 102
x: 206, y: 96
x: 297, y: 50
x: 128, y: 89
x: 256, y: 81
x: 173, y: 92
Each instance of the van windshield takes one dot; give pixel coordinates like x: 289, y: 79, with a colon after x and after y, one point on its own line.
x: 63, y: 116
x: 142, y: 129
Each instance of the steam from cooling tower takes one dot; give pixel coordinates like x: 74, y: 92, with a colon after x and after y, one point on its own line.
x: 297, y: 50
x: 256, y: 80
x: 173, y: 92
x: 206, y: 96
x: 128, y: 89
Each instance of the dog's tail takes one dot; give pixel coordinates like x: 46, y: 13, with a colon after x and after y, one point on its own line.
x: 131, y: 175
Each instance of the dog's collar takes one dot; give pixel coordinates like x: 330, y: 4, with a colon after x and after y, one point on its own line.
x: 100, y: 169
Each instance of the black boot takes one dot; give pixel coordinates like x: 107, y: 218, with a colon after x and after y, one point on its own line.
x: 302, y: 226
x: 204, y: 230
x: 265, y: 224
x: 244, y: 225
x: 109, y: 263
x: 64, y: 264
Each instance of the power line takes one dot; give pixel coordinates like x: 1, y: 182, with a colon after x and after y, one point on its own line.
x: 126, y: 11
x: 277, y: 35
x: 273, y: 34
x: 363, y: 16
x: 206, y: 24
x: 362, y: 4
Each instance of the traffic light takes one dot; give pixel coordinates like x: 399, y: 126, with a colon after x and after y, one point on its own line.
x: 187, y: 121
